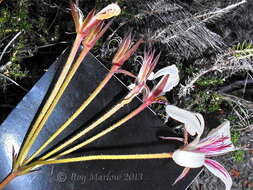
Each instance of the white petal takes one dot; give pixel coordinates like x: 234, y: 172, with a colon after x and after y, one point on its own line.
x: 173, y: 81
x: 169, y: 70
x: 194, y: 122
x: 188, y: 159
x: 219, y: 171
x: 151, y: 76
x: 221, y: 130
x: 109, y: 11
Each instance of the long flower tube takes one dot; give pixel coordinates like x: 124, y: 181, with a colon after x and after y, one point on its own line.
x: 165, y: 84
x: 125, y: 50
x: 149, y: 156
x: 24, y: 150
x: 67, y: 80
x: 92, y: 30
x: 149, y: 62
x: 153, y: 96
x: 197, y: 153
x: 82, y: 28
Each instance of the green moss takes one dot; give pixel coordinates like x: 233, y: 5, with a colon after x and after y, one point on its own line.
x: 239, y: 155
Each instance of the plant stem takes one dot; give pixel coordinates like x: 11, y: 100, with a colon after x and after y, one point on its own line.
x: 31, y: 136
x: 104, y: 132
x: 77, y: 112
x: 8, y: 179
x: 89, y: 128
x: 108, y: 157
x: 59, y: 94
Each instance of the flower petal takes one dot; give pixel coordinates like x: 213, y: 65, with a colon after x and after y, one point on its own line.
x: 194, y: 122
x: 218, y: 141
x: 219, y: 171
x: 77, y: 16
x: 221, y: 130
x: 172, y: 138
x: 169, y: 70
x: 182, y: 175
x: 158, y: 90
x: 173, y: 81
x: 125, y: 72
x: 188, y: 159
x: 151, y: 76
x: 109, y: 11
x: 148, y: 61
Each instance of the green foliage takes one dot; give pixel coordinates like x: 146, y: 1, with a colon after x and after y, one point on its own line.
x: 37, y: 30
x: 235, y: 137
x: 238, y: 154
x: 15, y: 71
x: 15, y: 19
x: 205, y: 81
x: 208, y: 102
x: 191, y: 70
x: 243, y: 50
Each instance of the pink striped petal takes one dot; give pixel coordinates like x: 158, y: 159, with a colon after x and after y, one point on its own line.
x: 158, y: 90
x: 222, y: 130
x: 219, y: 171
x: 217, y: 142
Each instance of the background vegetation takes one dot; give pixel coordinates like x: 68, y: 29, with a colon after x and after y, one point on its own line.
x: 210, y: 41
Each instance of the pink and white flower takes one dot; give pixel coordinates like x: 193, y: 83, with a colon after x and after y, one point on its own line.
x: 125, y: 50
x: 197, y: 153
x: 93, y: 25
x: 170, y: 79
x: 169, y: 74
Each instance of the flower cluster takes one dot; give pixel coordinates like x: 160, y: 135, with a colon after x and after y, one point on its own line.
x: 197, y: 153
x: 89, y: 30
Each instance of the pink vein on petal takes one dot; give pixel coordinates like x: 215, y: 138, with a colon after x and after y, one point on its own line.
x: 216, y: 166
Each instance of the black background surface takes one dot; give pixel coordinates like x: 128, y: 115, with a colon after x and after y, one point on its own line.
x: 138, y: 135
